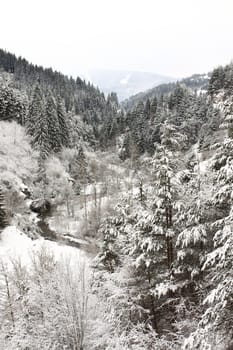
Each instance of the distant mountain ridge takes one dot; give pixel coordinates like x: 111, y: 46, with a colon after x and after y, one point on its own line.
x: 196, y: 82
x: 126, y: 83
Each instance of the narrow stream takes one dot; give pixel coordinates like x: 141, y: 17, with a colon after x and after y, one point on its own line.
x: 49, y: 234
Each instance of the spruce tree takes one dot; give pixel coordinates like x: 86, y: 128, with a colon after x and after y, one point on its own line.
x: 164, y: 199
x: 109, y: 254
x: 153, y: 109
x: 192, y: 240
x: 147, y: 109
x: 40, y: 138
x: 54, y: 134
x: 228, y: 120
x: 36, y: 124
x: 167, y: 186
x: 139, y: 130
x: 216, y: 80
x: 216, y: 322
x: 35, y: 109
x: 79, y: 166
x: 63, y: 124
x: 12, y: 104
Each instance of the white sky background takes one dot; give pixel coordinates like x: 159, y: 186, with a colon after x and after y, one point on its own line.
x: 170, y: 37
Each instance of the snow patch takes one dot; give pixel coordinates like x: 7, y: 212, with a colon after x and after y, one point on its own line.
x: 16, y: 245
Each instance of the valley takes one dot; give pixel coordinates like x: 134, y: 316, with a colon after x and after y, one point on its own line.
x: 115, y: 218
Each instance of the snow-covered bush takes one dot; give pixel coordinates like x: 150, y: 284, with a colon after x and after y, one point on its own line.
x: 44, y: 305
x: 18, y: 165
x: 58, y: 182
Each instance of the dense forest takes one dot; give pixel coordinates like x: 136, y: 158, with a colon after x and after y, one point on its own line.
x: 144, y: 189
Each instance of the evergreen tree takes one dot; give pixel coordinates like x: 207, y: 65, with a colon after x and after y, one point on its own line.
x: 63, y: 124
x: 109, y: 254
x: 228, y: 120
x: 167, y: 186
x: 139, y: 130
x: 216, y: 81
x: 228, y: 79
x: 153, y: 109
x: 36, y: 124
x: 108, y: 131
x: 147, y: 109
x: 36, y: 107
x: 40, y: 138
x: 192, y: 240
x: 12, y: 104
x: 164, y: 199
x: 148, y: 244
x: 78, y: 167
x: 54, y: 133
x: 112, y: 100
x: 216, y: 323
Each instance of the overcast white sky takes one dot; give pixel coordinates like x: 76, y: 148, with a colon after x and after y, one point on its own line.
x: 170, y: 37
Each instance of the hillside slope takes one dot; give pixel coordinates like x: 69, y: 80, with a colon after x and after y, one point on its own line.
x: 151, y: 189
x: 197, y: 82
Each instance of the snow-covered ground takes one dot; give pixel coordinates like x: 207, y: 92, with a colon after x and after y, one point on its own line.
x: 16, y: 245
x: 93, y: 202
x: 202, y: 166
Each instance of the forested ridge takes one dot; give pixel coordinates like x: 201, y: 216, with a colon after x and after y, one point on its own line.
x: 197, y: 82
x: 147, y: 183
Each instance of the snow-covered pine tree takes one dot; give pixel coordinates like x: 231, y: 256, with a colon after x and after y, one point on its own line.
x: 218, y: 315
x: 153, y: 109
x: 37, y: 128
x: 109, y: 254
x: 36, y: 107
x: 223, y: 164
x: 163, y: 201
x: 217, y: 80
x: 148, y: 245
x: 40, y: 139
x: 138, y: 130
x: 192, y: 240
x: 108, y: 131
x: 12, y: 104
x: 64, y: 130
x: 214, y: 330
x: 79, y: 166
x: 167, y: 186
x: 215, y: 327
x: 147, y: 109
x: 228, y: 120
x: 54, y: 133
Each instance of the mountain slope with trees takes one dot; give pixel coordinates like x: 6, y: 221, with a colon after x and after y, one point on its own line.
x: 198, y: 82
x: 151, y: 187
x: 18, y: 77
